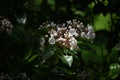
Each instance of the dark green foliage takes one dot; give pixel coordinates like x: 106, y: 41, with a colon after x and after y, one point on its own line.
x: 21, y: 57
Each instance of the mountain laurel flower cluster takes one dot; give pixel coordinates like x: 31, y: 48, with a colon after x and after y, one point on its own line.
x: 65, y: 34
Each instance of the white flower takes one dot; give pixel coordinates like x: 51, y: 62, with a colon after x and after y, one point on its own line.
x: 65, y: 34
x: 42, y: 41
x: 52, y: 24
x: 69, y: 22
x: 81, y: 24
x: 70, y: 35
x: 78, y: 26
x: 42, y: 44
x: 48, y: 25
x: 72, y: 39
x: 76, y: 34
x: 83, y: 35
x: 73, y: 43
x: 89, y: 28
x: 90, y: 35
x: 51, y: 40
x: 61, y: 29
x: 72, y: 32
x: 46, y: 35
x: 53, y: 32
x: 69, y: 27
x: 61, y: 39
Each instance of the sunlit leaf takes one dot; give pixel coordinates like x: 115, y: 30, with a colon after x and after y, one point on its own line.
x: 102, y: 22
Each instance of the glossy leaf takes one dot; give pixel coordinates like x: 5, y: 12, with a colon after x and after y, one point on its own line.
x: 67, y: 59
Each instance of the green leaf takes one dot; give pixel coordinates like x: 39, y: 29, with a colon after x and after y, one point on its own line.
x: 32, y: 58
x: 52, y: 4
x: 91, y: 5
x: 38, y: 2
x: 101, y: 22
x: 28, y: 54
x: 114, y: 70
x: 48, y: 53
x: 65, y: 70
x: 87, y: 47
x: 78, y: 12
x: 67, y: 59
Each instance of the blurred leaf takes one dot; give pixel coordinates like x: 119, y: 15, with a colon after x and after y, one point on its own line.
x: 67, y: 59
x: 106, y: 2
x: 79, y: 13
x: 48, y: 53
x: 102, y: 22
x: 98, y: 8
x: 102, y: 78
x: 52, y: 4
x: 117, y: 47
x: 28, y: 55
x: 114, y: 70
x: 21, y: 18
x: 32, y: 58
x: 73, y: 53
x: 65, y: 70
x: 91, y: 5
x: 86, y: 47
x: 38, y: 2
